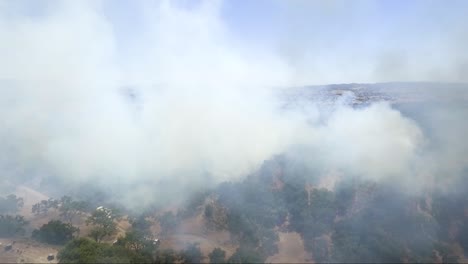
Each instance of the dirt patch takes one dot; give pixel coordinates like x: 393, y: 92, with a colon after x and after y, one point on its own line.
x: 27, y: 251
x: 193, y: 230
x: 290, y: 249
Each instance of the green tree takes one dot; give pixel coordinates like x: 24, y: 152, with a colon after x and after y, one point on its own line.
x: 192, y: 254
x: 44, y: 206
x: 217, y: 256
x: 103, y: 222
x: 12, y: 225
x: 55, y: 232
x: 168, y: 222
x: 140, y: 223
x: 136, y: 240
x: 193, y: 204
x: 166, y: 256
x: 246, y: 255
x: 11, y: 204
x: 69, y: 208
x: 85, y: 250
x: 81, y: 250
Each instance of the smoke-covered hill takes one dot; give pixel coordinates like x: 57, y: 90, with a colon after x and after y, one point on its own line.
x: 360, y: 172
x: 363, y: 94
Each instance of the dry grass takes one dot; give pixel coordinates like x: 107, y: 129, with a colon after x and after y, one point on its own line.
x: 290, y: 249
x: 27, y: 251
x: 192, y: 230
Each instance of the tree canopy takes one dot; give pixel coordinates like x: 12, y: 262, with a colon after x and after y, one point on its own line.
x: 55, y: 232
x: 12, y: 225
x: 11, y: 204
x: 103, y: 221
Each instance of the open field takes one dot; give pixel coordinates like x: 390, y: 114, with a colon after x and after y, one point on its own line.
x: 26, y: 250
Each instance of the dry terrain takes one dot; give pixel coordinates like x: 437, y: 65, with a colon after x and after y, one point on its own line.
x: 290, y: 249
x: 26, y: 251
x: 193, y: 230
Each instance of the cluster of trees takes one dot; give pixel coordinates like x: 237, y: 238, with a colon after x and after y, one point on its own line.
x: 132, y: 248
x: 217, y: 256
x: 10, y: 204
x: 103, y: 223
x: 357, y: 223
x: 43, y: 207
x: 55, y: 232
x: 69, y: 209
x: 12, y: 225
x: 168, y: 222
x: 252, y: 214
x: 360, y: 221
x: 85, y: 250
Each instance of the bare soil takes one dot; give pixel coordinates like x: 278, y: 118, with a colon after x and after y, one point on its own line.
x: 290, y: 249
x: 26, y: 250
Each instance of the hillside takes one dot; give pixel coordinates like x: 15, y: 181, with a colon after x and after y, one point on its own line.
x: 306, y: 204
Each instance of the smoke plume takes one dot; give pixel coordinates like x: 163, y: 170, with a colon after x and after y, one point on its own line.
x: 184, y: 102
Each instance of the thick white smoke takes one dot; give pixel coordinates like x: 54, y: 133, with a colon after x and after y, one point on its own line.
x: 184, y: 102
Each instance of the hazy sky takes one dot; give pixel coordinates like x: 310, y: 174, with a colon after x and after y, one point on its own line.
x: 340, y: 41
x: 322, y: 41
